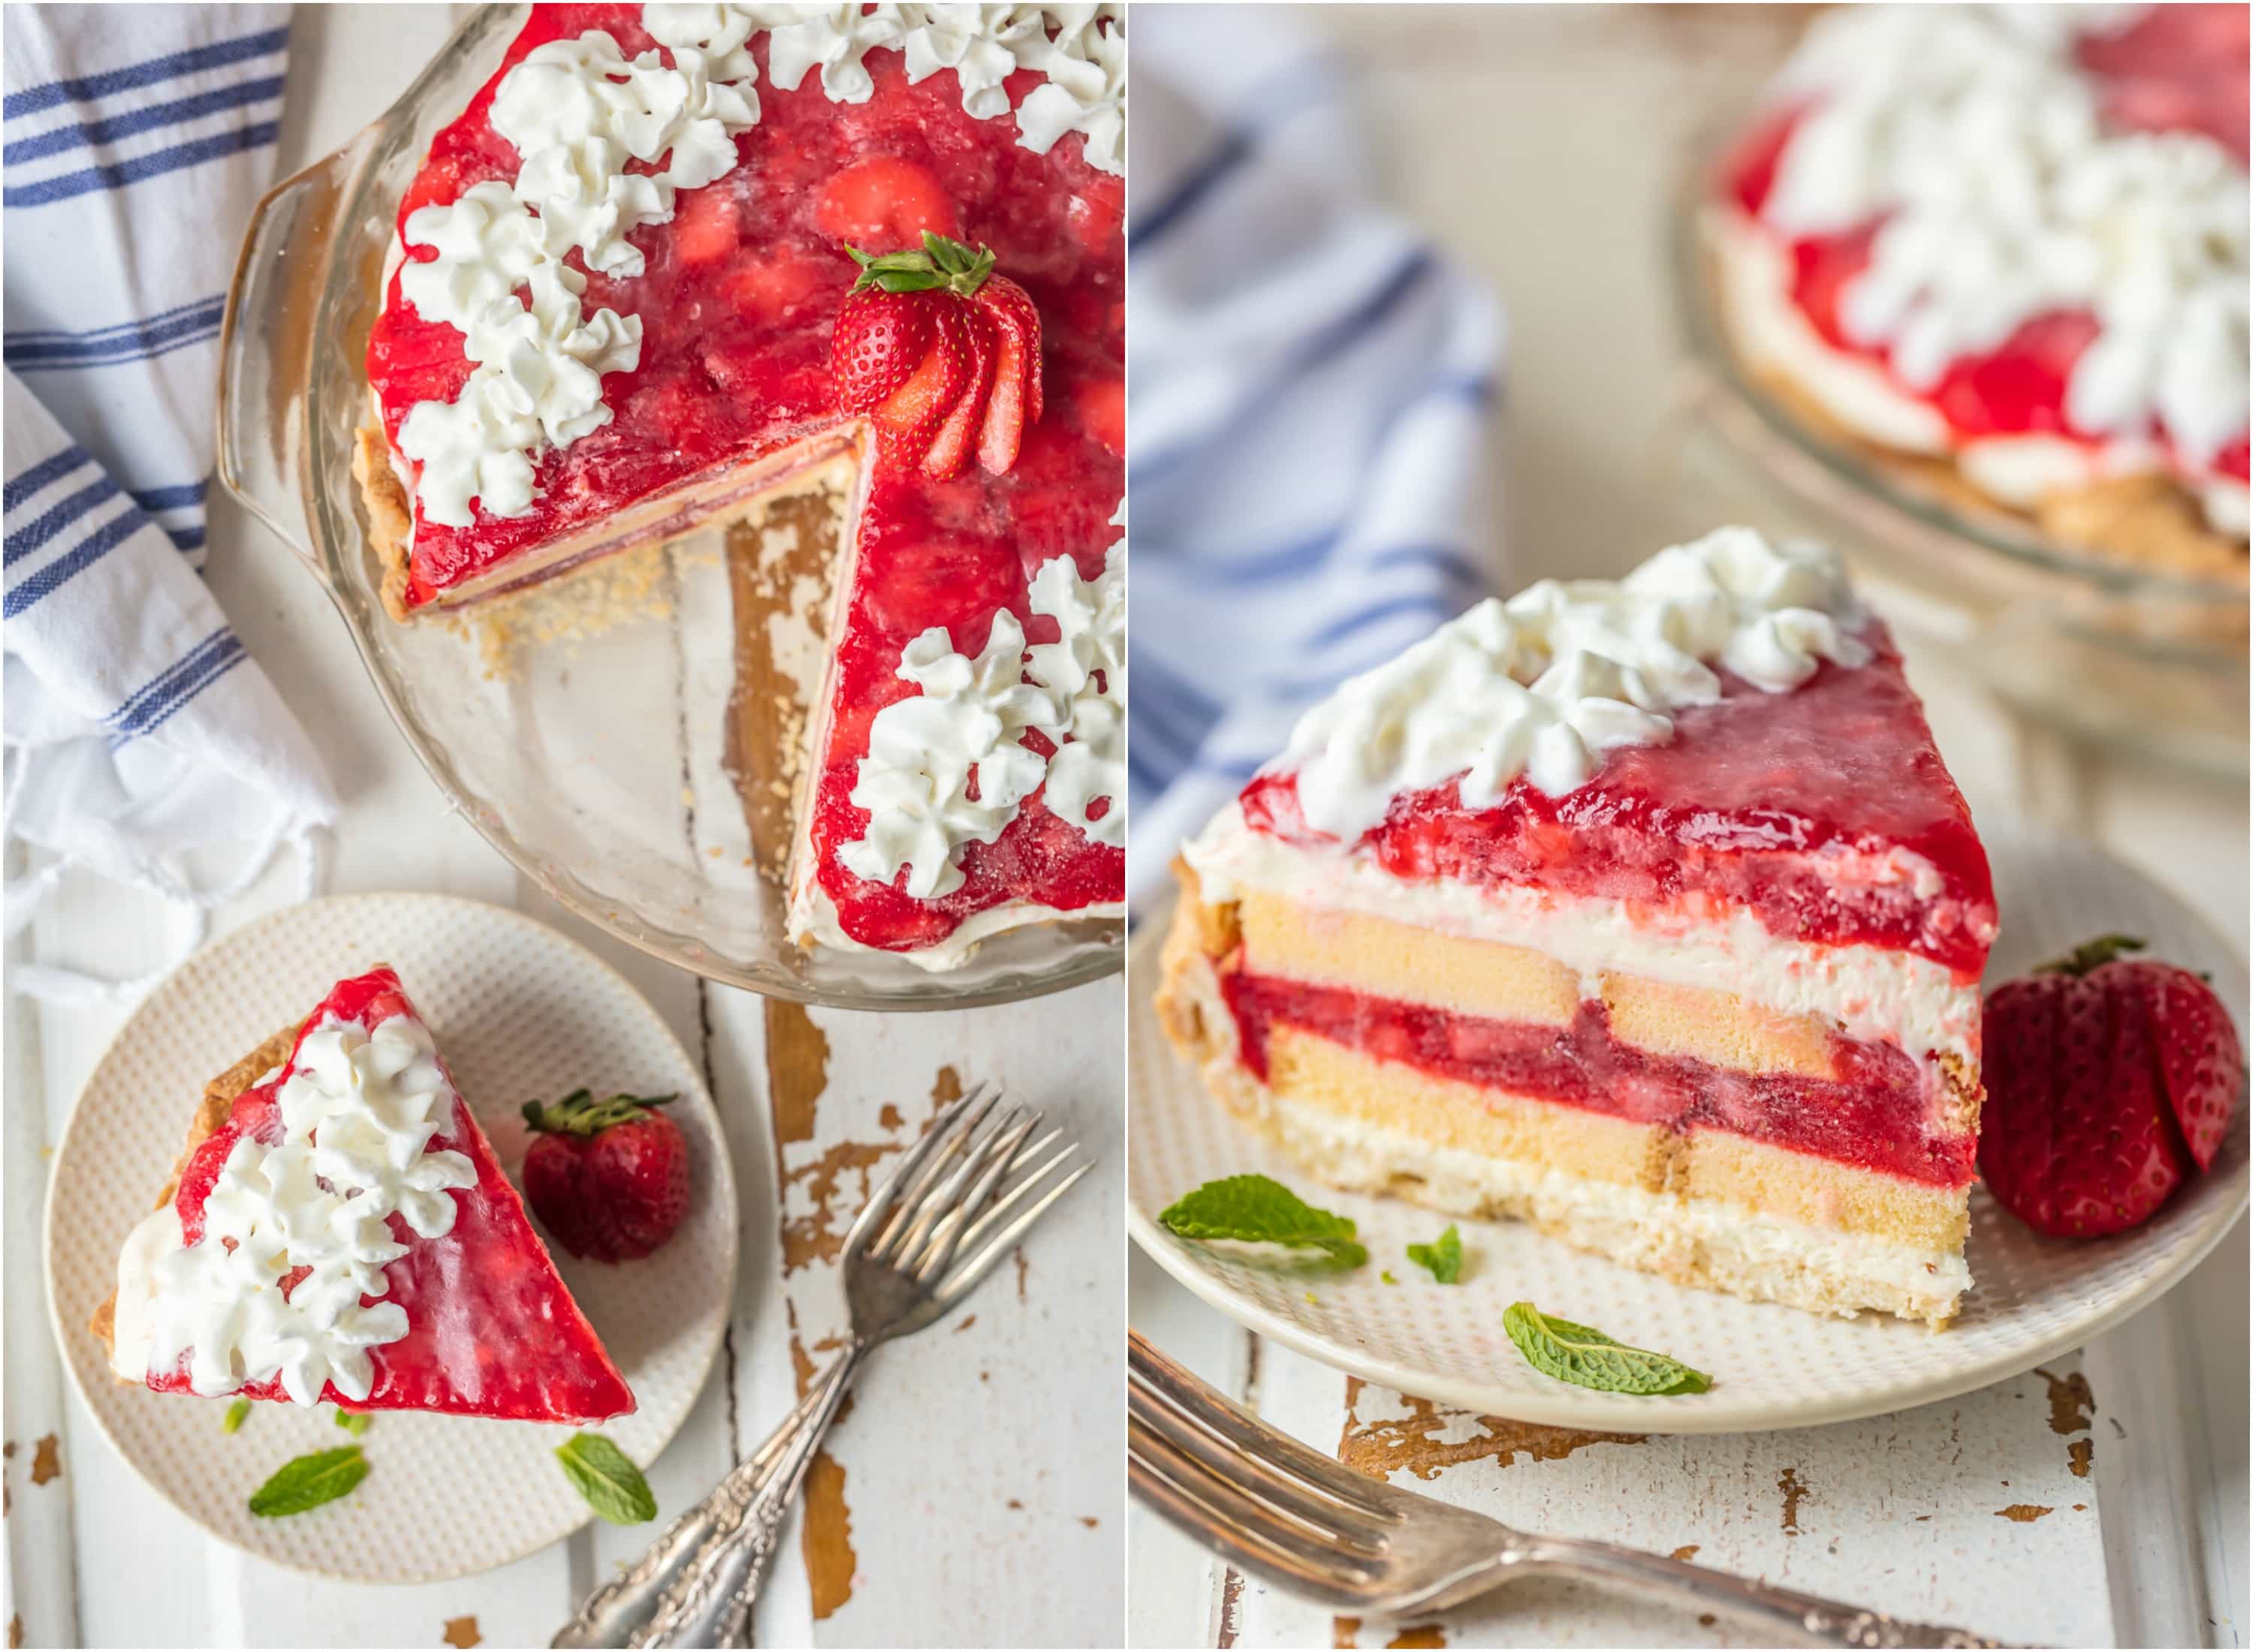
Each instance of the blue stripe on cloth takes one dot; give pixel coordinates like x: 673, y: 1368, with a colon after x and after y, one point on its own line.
x: 19, y: 489
x: 82, y: 556
x: 178, y: 112
x: 186, y: 539
x: 1235, y: 148
x: 172, y: 498
x: 117, y: 175
x: 1425, y: 606
x: 219, y: 669
x: 22, y: 541
x: 35, y: 335
x: 137, y: 708
x: 127, y: 341
x: 89, y: 88
x: 1458, y: 567
x: 1402, y: 284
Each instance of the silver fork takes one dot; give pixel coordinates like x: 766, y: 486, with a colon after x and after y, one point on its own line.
x: 962, y: 1196
x: 1271, y: 1507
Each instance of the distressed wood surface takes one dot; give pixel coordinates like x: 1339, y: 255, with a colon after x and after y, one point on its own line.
x: 1972, y: 1512
x: 970, y: 1495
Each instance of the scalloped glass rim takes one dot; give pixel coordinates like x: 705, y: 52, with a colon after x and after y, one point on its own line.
x: 1698, y: 321
x: 372, y: 171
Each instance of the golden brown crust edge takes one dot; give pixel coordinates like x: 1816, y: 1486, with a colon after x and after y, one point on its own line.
x: 218, y: 1098
x: 390, y: 523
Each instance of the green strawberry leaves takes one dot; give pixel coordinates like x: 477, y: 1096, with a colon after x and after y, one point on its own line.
x: 940, y: 263
x: 309, y: 1482
x: 1444, y: 1256
x: 580, y: 1114
x: 607, y: 1478
x: 237, y: 1414
x: 1260, y: 1210
x: 1586, y: 1357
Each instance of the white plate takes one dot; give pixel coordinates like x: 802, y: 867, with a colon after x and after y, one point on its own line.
x: 1773, y: 1367
x: 521, y: 1014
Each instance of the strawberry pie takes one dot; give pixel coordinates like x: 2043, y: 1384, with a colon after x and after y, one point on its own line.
x: 339, y: 1233
x: 1644, y: 910
x: 2003, y: 249
x: 675, y: 263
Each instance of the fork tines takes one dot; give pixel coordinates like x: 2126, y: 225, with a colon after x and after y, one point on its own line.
x: 969, y: 1188
x: 1268, y: 1503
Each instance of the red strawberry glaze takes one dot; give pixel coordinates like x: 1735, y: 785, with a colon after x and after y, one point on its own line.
x: 1787, y: 805
x: 491, y: 1330
x: 1873, y: 1115
x: 2179, y: 67
x: 736, y: 364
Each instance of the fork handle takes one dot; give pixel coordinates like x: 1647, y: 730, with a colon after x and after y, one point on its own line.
x: 708, y: 1602
x: 1801, y: 1619
x: 616, y: 1611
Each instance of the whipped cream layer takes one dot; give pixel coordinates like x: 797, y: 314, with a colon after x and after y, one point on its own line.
x: 359, y: 1110
x: 1546, y: 682
x: 1873, y: 995
x: 1979, y: 148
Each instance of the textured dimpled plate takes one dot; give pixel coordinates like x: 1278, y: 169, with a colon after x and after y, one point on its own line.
x: 1773, y: 1367
x: 520, y: 1013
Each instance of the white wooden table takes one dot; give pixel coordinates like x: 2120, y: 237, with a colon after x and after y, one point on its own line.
x: 973, y: 1495
x: 2103, y: 1503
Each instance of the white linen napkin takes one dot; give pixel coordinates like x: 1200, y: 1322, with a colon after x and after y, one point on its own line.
x: 139, y: 735
x: 1309, y: 398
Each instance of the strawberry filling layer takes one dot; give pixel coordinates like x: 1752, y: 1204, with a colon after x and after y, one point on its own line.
x: 492, y: 1331
x: 1872, y: 1116
x: 738, y: 302
x: 2178, y: 68
x: 1826, y: 812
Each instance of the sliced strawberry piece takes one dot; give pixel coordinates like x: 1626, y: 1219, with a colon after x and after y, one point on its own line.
x: 885, y: 203
x: 1016, y: 398
x: 879, y: 341
x: 907, y: 419
x: 950, y: 447
x: 706, y: 229
x: 2199, y: 1054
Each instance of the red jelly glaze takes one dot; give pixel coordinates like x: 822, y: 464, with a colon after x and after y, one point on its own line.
x: 1872, y: 1115
x: 2177, y: 68
x: 734, y: 363
x: 491, y: 1330
x: 1757, y: 803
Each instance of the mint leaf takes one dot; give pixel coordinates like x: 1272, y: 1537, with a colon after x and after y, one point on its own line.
x: 1260, y: 1210
x: 353, y: 1423
x: 236, y: 1414
x: 309, y: 1482
x: 1444, y: 1256
x: 1587, y: 1357
x: 607, y: 1479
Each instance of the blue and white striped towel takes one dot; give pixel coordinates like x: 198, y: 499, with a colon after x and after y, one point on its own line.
x: 137, y: 732
x: 1310, y: 396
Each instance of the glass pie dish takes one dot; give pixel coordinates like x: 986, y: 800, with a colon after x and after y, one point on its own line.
x: 2098, y: 645
x: 612, y: 736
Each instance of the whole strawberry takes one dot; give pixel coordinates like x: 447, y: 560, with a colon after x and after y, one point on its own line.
x: 2111, y: 1080
x: 608, y: 1180
x: 942, y: 355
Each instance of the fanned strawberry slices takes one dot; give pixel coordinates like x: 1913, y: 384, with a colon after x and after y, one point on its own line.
x: 942, y: 355
x: 342, y: 1234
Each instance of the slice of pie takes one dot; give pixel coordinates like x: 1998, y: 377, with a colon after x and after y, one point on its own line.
x: 1644, y: 910
x: 2004, y: 250
x: 609, y: 320
x: 339, y: 1232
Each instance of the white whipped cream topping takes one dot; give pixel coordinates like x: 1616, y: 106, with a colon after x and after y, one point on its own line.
x: 1545, y: 683
x: 578, y: 111
x: 925, y: 750
x: 1978, y: 141
x: 1873, y: 995
x: 1085, y: 674
x: 359, y: 1111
